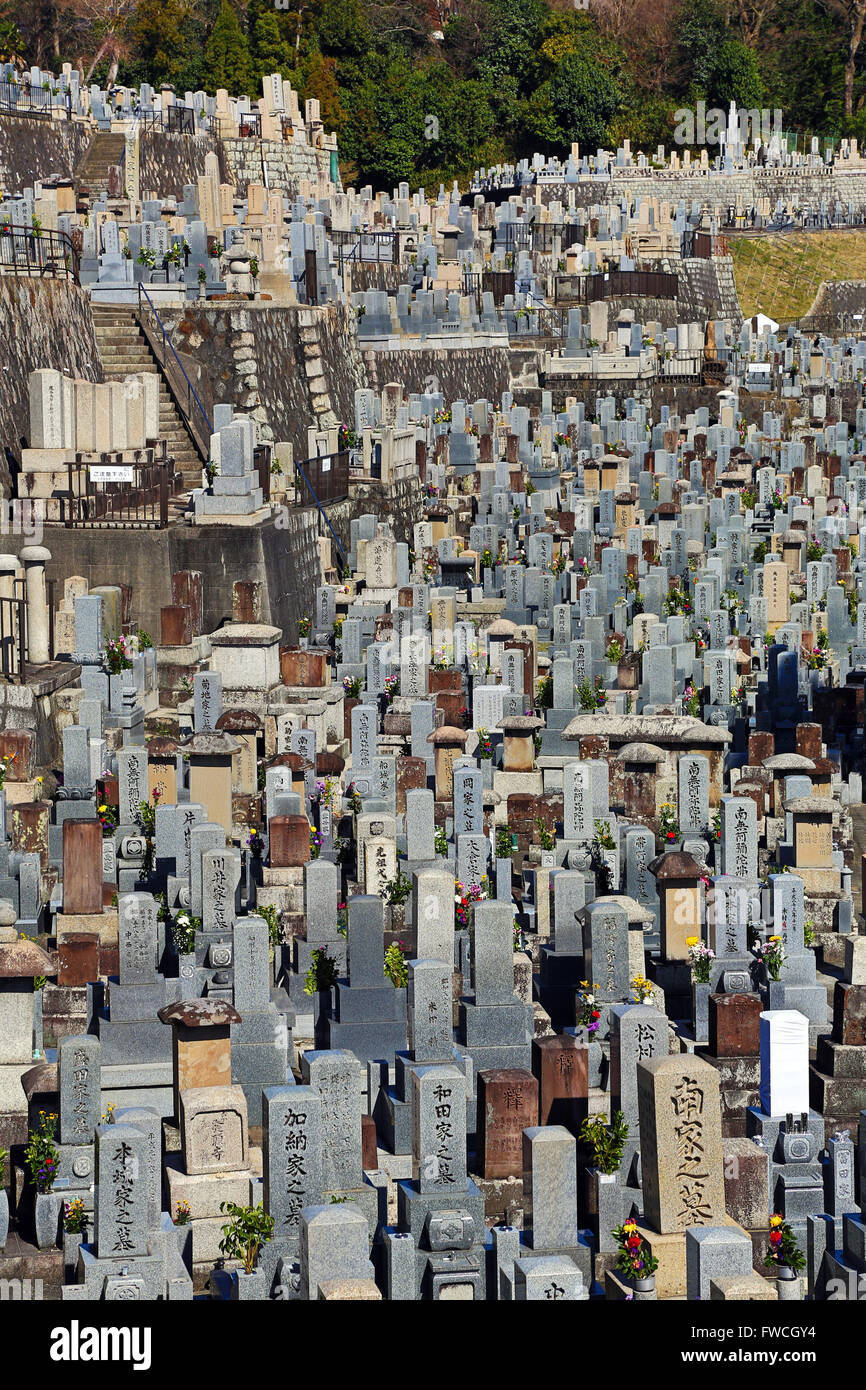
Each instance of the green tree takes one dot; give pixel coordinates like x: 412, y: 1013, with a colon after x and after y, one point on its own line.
x: 576, y: 103
x: 227, y: 55
x: 272, y: 50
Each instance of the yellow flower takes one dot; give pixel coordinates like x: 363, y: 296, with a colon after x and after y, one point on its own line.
x: 775, y: 938
x: 775, y: 1220
x: 691, y: 941
x: 103, y: 808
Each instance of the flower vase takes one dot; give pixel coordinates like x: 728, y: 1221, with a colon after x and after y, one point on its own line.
x: 604, y: 1202
x: 4, y: 1217
x: 186, y: 973
x: 645, y: 1289
x: 248, y: 1288
x: 789, y: 1288
x: 487, y: 774
x: 71, y: 1242
x: 46, y: 1218
x: 701, y: 1010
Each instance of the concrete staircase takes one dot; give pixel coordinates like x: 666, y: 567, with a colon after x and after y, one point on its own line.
x: 92, y: 173
x: 124, y: 350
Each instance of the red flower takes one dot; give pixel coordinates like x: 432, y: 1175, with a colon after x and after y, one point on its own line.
x: 596, y: 1014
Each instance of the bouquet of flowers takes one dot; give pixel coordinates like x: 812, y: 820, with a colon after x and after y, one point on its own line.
x: 771, y: 954
x: 783, y: 1249
x: 701, y: 957
x: 118, y: 655
x: 634, y: 1260
x: 588, y: 1015
x: 669, y: 826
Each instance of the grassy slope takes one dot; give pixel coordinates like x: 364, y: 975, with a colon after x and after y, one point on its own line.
x: 779, y: 275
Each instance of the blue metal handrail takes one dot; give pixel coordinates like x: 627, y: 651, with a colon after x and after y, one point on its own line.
x: 192, y: 395
x: 300, y: 469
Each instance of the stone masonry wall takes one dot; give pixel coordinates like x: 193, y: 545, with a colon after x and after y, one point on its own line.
x: 43, y: 323
x: 715, y: 194
x: 460, y: 373
x: 286, y: 366
x: 37, y: 149
x: 168, y: 160
x: 285, y: 163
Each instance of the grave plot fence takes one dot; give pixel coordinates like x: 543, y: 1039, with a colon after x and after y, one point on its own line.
x: 649, y: 284
x: 16, y: 99
x: 247, y: 127
x: 13, y: 634
x: 126, y: 491
x: 42, y: 252
x: 262, y: 465
x: 540, y: 236
x: 178, y: 119
x: 322, y: 480
x: 366, y: 248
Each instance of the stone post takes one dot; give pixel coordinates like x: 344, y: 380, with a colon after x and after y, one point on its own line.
x: 35, y: 558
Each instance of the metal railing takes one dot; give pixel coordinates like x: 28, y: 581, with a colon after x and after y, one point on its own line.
x: 248, y: 126
x: 13, y: 637
x: 539, y: 236
x: 186, y: 397
x: 262, y: 465
x: 28, y: 252
x: 16, y: 99
x: 366, y: 248
x: 135, y: 498
x: 324, y: 479
x: 652, y: 284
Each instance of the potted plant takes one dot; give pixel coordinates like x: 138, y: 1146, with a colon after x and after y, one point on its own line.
x: 785, y: 1257
x: 319, y: 980
x: 634, y: 1261
x: 243, y: 1237
x: 396, y: 969
x: 605, y: 1190
x: 74, y: 1234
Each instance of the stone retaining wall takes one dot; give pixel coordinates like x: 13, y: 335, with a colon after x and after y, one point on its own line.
x: 43, y: 323
x: 32, y: 149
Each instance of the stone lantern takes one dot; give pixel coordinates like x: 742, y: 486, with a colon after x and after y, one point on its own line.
x: 497, y: 634
x: 640, y: 767
x: 518, y: 753
x: 210, y: 774
x: 162, y: 770
x: 678, y: 877
x: 200, y: 1043
x: 448, y: 744
x: 244, y: 727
